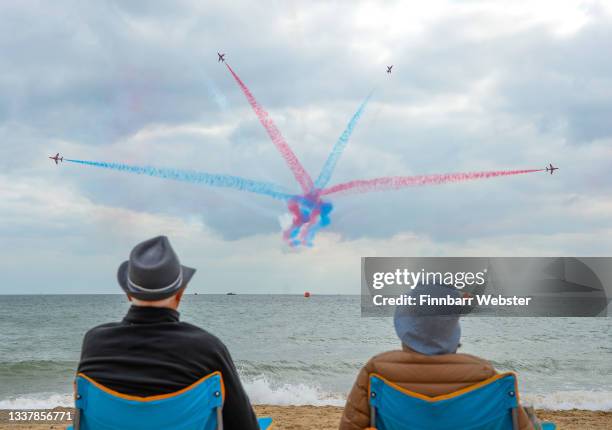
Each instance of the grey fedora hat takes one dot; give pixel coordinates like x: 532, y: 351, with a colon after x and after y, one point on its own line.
x: 153, y: 271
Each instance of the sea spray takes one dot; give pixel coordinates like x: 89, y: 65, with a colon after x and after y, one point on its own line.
x: 263, y: 392
x: 568, y: 400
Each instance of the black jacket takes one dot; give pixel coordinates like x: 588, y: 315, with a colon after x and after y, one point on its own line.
x: 151, y: 352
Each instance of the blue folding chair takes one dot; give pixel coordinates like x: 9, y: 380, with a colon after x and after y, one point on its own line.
x: 196, y: 407
x: 488, y: 405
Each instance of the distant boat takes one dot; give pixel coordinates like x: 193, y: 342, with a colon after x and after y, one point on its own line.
x: 307, y: 294
x: 230, y: 294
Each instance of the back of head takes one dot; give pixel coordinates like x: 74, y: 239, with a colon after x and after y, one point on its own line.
x: 429, y: 329
x: 171, y: 302
x: 154, y: 276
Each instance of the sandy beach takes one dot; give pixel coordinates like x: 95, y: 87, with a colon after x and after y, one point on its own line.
x: 327, y: 418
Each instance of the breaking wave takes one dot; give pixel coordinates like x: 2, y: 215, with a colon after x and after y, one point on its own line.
x: 262, y: 391
x: 567, y: 400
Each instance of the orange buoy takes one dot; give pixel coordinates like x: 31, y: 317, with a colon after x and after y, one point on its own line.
x: 307, y: 294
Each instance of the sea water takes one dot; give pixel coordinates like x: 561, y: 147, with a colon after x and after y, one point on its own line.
x: 291, y: 350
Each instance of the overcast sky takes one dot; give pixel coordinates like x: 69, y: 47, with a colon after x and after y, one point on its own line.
x: 477, y: 85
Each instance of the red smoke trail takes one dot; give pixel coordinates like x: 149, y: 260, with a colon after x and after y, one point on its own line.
x: 294, y: 164
x: 397, y: 182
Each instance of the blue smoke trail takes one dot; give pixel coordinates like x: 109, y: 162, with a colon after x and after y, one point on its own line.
x: 217, y: 95
x: 324, y: 221
x: 213, y: 180
x: 336, y: 152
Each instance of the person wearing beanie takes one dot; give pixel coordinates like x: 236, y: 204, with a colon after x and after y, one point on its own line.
x: 427, y: 363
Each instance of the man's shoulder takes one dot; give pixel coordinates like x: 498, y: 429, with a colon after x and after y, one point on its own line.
x: 181, y: 333
x: 101, y: 328
x: 197, y: 336
x: 431, y: 375
x: 199, y: 332
x: 403, y: 357
x: 99, y: 332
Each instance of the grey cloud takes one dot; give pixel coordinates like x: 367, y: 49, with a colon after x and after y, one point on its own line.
x: 94, y: 74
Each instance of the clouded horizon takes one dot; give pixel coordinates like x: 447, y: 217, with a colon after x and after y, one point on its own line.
x: 476, y: 85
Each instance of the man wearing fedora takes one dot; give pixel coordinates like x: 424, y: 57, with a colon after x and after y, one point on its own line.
x: 152, y: 352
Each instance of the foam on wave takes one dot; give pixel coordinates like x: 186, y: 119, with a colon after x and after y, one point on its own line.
x: 261, y: 391
x: 37, y: 401
x: 567, y: 400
